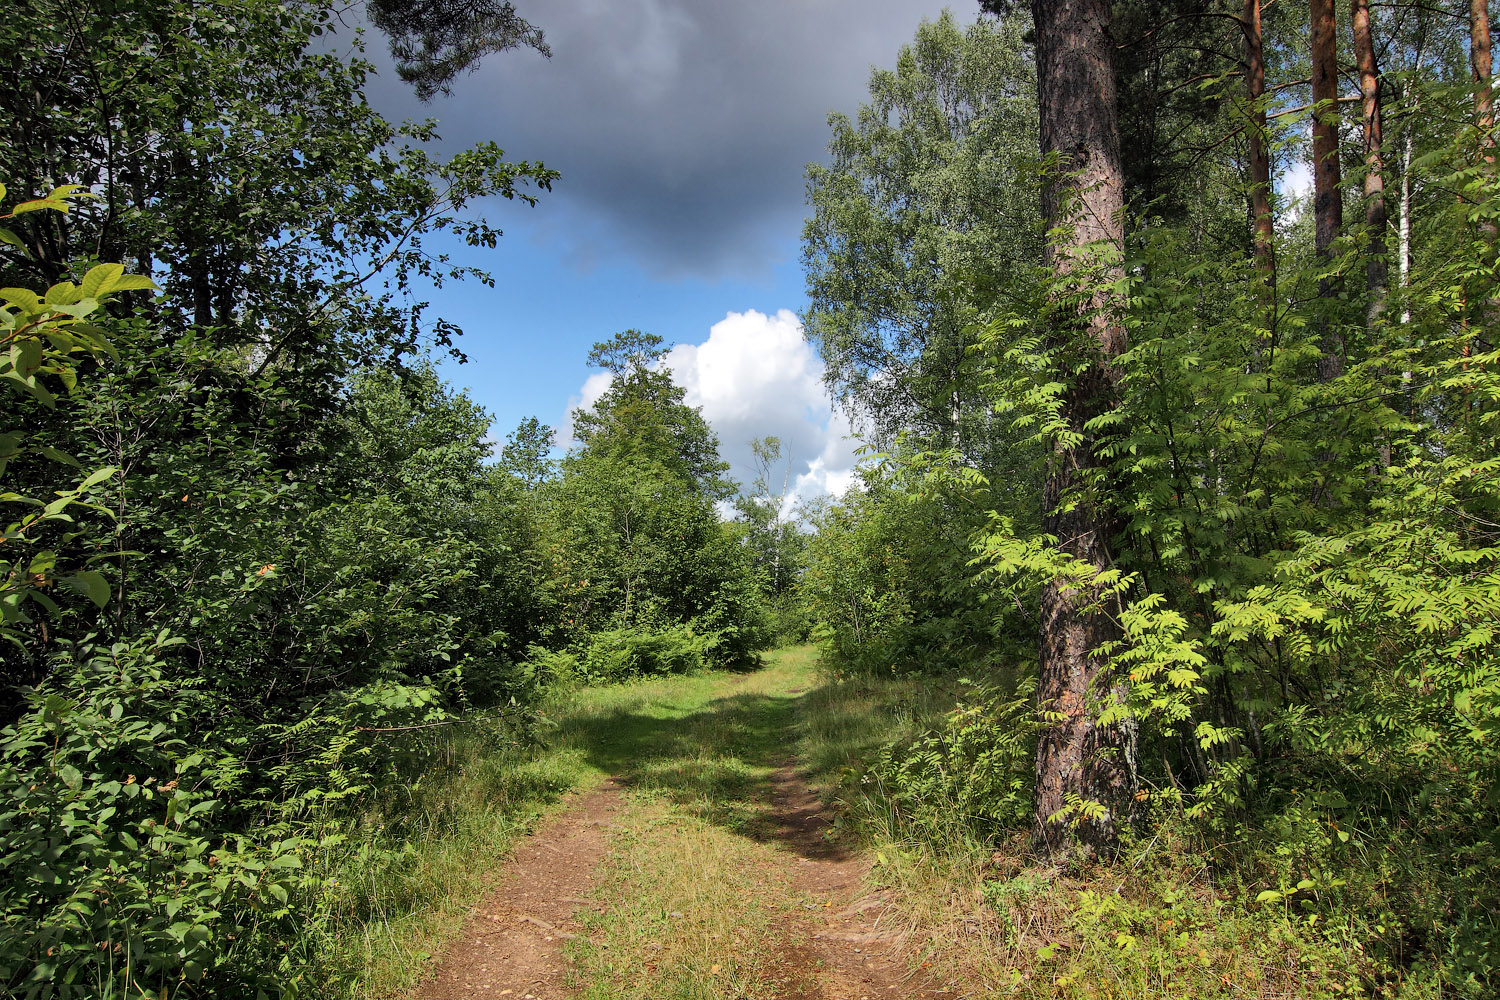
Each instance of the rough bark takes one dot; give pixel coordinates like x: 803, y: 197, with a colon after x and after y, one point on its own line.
x: 1479, y: 63
x: 1328, y: 199
x: 1256, y: 131
x: 1484, y: 107
x: 1080, y: 125
x: 1377, y: 270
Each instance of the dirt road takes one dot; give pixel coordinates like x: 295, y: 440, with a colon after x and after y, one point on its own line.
x: 705, y: 866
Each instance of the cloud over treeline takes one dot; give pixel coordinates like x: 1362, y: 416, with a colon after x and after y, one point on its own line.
x: 681, y: 127
x: 755, y: 376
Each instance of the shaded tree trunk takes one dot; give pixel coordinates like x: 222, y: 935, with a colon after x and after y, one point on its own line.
x: 1377, y: 270
x: 1328, y: 199
x: 1076, y: 757
x: 1480, y: 64
x: 1256, y: 130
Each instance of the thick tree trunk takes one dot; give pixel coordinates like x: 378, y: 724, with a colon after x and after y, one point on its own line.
x: 1377, y: 270
x: 1257, y: 131
x: 1328, y: 199
x: 1079, y: 123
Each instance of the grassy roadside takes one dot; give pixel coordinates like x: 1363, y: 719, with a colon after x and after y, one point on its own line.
x: 694, y: 905
x: 402, y: 886
x: 1161, y: 922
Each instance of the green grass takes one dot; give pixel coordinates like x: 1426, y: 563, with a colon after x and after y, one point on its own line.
x: 694, y: 904
x: 404, y: 880
x: 983, y: 912
x: 689, y: 910
x: 708, y: 738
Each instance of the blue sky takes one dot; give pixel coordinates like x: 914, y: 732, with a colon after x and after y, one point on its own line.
x: 527, y: 339
x: 682, y: 129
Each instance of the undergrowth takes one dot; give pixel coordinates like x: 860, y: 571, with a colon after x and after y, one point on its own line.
x: 1308, y: 896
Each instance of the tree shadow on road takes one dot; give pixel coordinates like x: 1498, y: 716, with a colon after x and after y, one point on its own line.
x: 729, y: 761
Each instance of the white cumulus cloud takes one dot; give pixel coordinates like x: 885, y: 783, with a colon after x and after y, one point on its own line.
x: 756, y: 376
x: 593, y: 387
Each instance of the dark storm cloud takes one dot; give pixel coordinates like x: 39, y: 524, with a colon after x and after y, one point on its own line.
x: 681, y: 127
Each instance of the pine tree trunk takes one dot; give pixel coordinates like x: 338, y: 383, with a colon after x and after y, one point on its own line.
x: 1079, y: 123
x: 1328, y: 199
x: 1377, y: 270
x: 1403, y: 244
x: 1484, y: 106
x: 1257, y: 132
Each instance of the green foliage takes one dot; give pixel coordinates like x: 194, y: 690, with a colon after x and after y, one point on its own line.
x: 244, y: 169
x: 526, y: 454
x: 1302, y: 599
x: 970, y: 778
x: 776, y: 542
x: 291, y: 556
x: 922, y: 216
x: 642, y: 422
x: 888, y: 579
x: 120, y: 873
x: 620, y: 654
x: 643, y: 555
x: 47, y: 338
x: 434, y: 43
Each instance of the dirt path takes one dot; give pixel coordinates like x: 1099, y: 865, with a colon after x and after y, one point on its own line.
x: 511, y: 946
x: 858, y: 954
x: 705, y: 869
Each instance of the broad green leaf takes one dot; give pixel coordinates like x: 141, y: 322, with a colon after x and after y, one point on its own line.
x: 90, y: 583
x: 101, y: 279
x: 39, y: 205
x: 59, y: 456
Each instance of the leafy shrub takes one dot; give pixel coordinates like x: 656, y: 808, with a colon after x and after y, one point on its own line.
x: 117, y: 873
x: 618, y: 654
x: 971, y: 777
x: 889, y: 583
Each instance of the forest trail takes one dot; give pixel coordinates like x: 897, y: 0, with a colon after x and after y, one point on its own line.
x: 702, y: 866
x: 511, y: 945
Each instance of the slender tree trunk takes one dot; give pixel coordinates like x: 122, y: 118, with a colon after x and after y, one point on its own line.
x: 1328, y: 199
x: 1257, y: 131
x: 1479, y: 63
x: 1484, y: 119
x: 1076, y: 757
x: 1377, y: 270
x: 1403, y: 239
x: 1484, y: 105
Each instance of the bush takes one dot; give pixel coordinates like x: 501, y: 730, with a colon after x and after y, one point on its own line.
x: 889, y: 585
x: 970, y: 778
x: 619, y: 654
x: 117, y: 872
